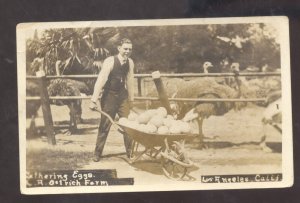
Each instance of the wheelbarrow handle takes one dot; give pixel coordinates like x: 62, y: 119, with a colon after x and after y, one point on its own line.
x: 110, y: 119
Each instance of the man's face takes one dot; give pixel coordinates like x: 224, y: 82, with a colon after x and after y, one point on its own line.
x: 125, y: 50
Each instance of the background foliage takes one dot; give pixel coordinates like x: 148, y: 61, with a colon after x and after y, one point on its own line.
x: 173, y: 49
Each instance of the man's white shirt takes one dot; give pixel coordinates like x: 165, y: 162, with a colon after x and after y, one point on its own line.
x: 107, y: 67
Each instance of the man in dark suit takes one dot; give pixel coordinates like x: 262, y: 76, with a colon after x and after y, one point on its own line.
x: 115, y: 86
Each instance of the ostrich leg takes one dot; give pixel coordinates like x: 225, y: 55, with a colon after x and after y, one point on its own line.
x: 262, y: 143
x: 78, y: 114
x: 32, y: 127
x: 73, y: 124
x: 201, y: 136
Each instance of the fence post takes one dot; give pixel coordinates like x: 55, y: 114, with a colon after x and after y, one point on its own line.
x: 139, y: 81
x: 162, y: 95
x: 46, y: 107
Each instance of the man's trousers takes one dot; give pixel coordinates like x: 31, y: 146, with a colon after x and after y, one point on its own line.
x: 112, y: 103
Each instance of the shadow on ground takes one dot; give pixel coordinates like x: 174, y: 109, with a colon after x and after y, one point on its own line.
x: 90, y: 121
x: 45, y: 159
x: 275, y: 146
x: 41, y: 131
x: 155, y: 167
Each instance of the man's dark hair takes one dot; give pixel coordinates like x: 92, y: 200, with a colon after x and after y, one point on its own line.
x: 125, y: 41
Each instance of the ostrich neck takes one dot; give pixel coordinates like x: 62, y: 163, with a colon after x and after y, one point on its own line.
x: 238, y: 82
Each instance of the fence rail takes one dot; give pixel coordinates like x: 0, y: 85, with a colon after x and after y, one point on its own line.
x: 171, y: 75
x: 157, y: 99
x: 45, y: 99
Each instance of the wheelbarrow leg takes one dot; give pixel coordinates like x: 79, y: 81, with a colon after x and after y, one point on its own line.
x: 137, y: 146
x: 166, y: 144
x: 134, y: 148
x: 153, y: 152
x: 158, y: 152
x: 134, y: 159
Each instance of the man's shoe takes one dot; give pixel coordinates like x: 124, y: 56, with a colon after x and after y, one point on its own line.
x: 96, y: 158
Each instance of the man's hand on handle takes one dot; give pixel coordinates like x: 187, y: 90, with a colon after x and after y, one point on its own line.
x: 93, y: 106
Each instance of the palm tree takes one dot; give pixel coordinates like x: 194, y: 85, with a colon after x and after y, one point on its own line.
x: 69, y: 52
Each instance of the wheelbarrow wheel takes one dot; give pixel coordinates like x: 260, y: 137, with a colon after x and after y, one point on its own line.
x: 172, y: 169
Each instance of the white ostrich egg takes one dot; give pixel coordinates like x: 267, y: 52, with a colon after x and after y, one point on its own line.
x: 123, y: 121
x: 151, y: 112
x: 143, y: 118
x: 175, y: 129
x: 167, y: 122
x: 151, y: 128
x: 142, y: 128
x: 170, y: 117
x: 132, y: 116
x: 133, y: 124
x: 162, y: 111
x: 163, y: 130
x: 157, y: 120
x: 185, y: 127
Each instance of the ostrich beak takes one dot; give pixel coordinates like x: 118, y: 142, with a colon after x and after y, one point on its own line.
x: 207, y: 64
x: 175, y: 108
x: 191, y: 115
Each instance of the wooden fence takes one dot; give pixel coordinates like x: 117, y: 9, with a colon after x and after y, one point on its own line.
x: 45, y: 99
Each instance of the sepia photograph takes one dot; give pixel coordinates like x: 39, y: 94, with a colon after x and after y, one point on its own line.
x: 154, y: 105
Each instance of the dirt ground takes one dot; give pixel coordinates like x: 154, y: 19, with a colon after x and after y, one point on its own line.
x: 232, y: 147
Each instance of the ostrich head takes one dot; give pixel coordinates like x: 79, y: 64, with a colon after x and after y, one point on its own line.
x: 36, y: 65
x: 206, y: 66
x: 236, y: 83
x: 178, y: 108
x: 235, y: 67
x: 175, y: 107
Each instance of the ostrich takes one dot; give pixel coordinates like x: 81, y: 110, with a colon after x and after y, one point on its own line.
x: 71, y: 52
x: 272, y: 116
x: 67, y: 87
x: 207, y: 89
x: 231, y: 81
x: 206, y: 66
x: 57, y: 87
x: 32, y: 89
x: 175, y: 86
x: 82, y: 86
x: 74, y: 66
x: 227, y: 66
